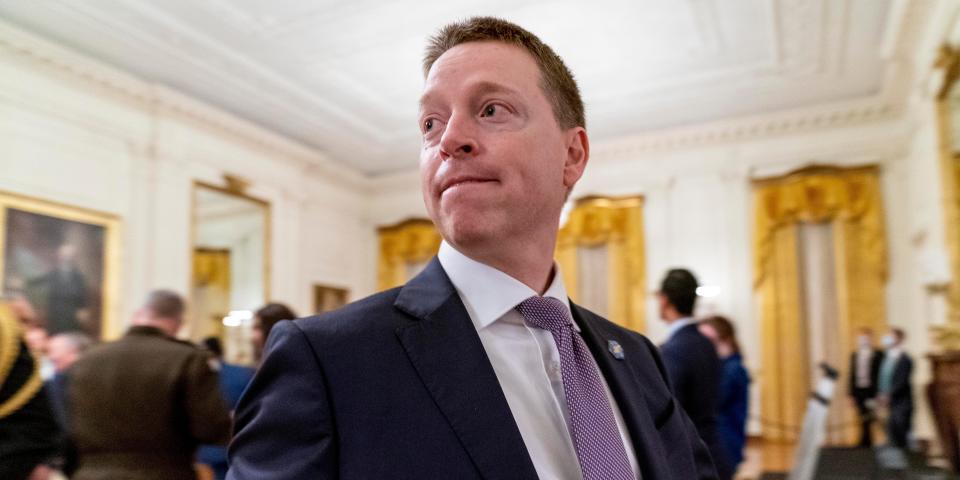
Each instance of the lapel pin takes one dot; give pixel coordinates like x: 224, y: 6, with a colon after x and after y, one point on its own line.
x: 615, y: 349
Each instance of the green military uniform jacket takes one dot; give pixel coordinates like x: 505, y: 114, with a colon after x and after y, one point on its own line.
x: 139, y: 407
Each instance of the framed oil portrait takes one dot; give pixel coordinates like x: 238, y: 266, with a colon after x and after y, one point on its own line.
x: 64, y: 261
x: 326, y: 298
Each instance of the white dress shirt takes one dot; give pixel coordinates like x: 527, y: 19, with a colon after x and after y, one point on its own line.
x: 864, y: 358
x: 526, y: 361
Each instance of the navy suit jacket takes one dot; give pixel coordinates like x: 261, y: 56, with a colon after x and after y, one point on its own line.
x: 694, y: 371
x: 398, y: 386
x: 901, y: 392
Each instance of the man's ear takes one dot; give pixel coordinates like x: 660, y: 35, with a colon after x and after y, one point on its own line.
x: 577, y: 155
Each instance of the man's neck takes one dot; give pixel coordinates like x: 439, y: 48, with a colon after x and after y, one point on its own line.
x: 161, y: 326
x: 672, y: 318
x: 531, y: 263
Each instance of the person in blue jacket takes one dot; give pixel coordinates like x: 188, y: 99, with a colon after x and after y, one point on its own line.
x: 734, y: 387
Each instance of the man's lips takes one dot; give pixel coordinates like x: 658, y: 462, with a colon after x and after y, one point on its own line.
x: 463, y: 180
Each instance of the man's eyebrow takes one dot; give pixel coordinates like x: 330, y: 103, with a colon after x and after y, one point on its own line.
x: 479, y: 88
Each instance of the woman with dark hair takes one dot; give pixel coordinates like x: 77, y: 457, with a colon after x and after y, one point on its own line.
x: 263, y: 321
x: 734, y: 387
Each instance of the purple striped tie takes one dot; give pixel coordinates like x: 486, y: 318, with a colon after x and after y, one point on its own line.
x: 592, y: 425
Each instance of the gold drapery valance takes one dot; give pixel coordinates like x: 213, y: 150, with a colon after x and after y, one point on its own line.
x: 618, y: 224
x: 409, y: 242
x: 850, y: 199
x: 820, y: 194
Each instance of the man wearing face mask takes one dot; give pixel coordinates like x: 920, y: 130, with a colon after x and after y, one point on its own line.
x: 895, y: 391
x: 864, y: 372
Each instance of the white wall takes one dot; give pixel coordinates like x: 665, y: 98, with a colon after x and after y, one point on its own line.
x: 77, y: 132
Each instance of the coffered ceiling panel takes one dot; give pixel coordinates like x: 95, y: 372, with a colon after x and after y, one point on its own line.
x: 344, y: 77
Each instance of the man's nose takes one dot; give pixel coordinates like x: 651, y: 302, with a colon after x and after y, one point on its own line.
x: 459, y: 138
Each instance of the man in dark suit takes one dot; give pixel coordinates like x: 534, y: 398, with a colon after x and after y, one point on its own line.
x: 864, y: 372
x: 139, y: 406
x: 895, y: 390
x: 479, y: 367
x: 692, y: 362
x: 67, y: 305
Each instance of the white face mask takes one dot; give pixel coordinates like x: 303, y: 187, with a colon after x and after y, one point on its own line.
x: 889, y: 341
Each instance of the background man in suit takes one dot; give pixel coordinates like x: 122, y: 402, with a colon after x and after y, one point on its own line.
x: 67, y: 304
x: 864, y: 372
x: 895, y: 391
x: 479, y: 367
x: 692, y: 361
x: 140, y: 406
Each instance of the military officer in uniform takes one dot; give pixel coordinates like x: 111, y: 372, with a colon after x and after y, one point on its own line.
x: 140, y: 406
x: 29, y: 435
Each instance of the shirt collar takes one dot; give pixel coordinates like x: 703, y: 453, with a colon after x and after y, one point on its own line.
x: 677, y: 325
x: 488, y: 293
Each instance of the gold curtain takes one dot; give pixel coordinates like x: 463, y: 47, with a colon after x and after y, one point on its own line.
x: 616, y: 223
x: 953, y: 241
x: 211, y: 290
x: 948, y: 336
x: 850, y: 199
x: 410, y: 242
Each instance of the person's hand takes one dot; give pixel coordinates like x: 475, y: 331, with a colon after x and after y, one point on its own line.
x: 41, y: 472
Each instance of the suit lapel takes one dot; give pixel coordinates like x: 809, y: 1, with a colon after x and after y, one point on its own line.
x: 444, y: 348
x: 627, y: 391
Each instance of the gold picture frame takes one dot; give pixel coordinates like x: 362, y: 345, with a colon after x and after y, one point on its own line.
x: 327, y: 298
x: 52, y: 253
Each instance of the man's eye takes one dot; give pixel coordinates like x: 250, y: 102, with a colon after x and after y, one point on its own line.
x: 489, y: 111
x: 428, y: 125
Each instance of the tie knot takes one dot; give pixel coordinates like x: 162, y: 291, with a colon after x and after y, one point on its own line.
x: 547, y: 313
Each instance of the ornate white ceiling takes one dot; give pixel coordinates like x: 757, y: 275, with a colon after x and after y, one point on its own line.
x: 344, y: 76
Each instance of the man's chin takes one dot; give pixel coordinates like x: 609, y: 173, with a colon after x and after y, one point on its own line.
x: 468, y: 234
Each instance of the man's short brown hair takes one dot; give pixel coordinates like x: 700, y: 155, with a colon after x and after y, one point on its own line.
x: 165, y: 304
x: 556, y: 80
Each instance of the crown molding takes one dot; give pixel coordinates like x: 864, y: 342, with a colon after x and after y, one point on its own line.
x: 158, y: 99
x: 754, y: 127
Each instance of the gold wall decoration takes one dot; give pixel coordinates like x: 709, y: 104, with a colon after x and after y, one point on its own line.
x: 618, y: 224
x: 412, y: 241
x: 230, y: 236
x: 948, y: 336
x: 236, y: 185
x: 850, y: 199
